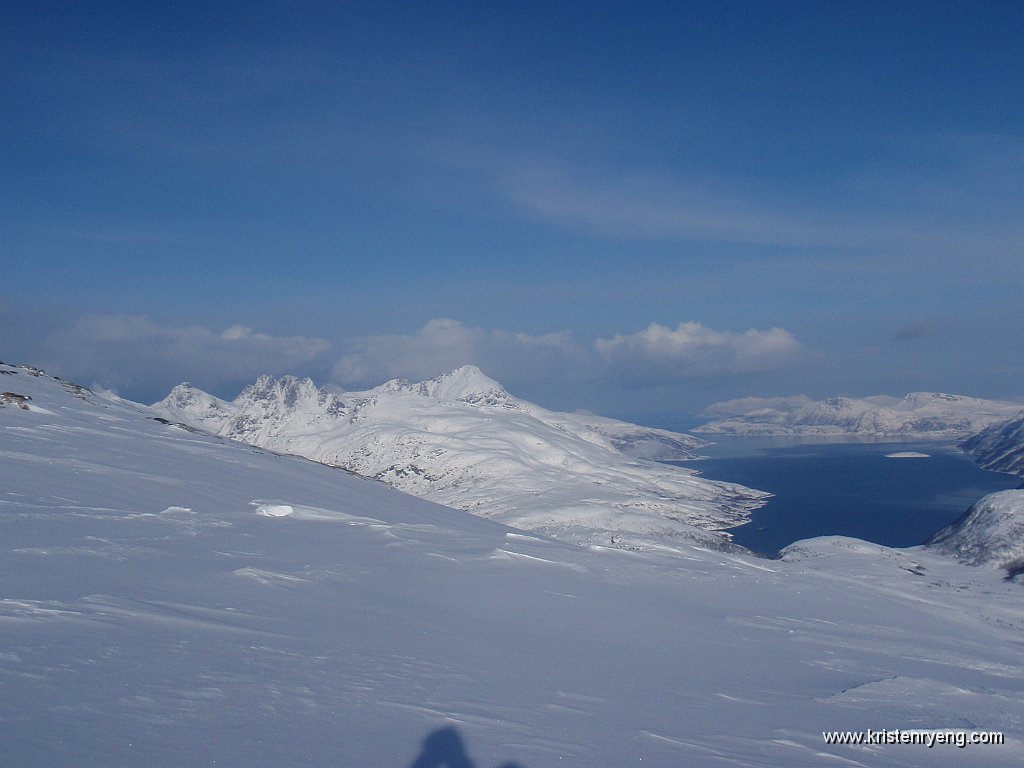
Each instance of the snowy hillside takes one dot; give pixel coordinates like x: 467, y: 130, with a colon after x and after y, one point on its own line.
x: 999, y: 447
x: 463, y: 441
x: 990, y: 533
x: 919, y: 415
x: 175, y: 599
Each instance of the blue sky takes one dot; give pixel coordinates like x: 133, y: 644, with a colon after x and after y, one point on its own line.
x: 625, y: 207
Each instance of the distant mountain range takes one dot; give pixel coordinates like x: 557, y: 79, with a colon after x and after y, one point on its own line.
x: 461, y: 440
x: 919, y: 415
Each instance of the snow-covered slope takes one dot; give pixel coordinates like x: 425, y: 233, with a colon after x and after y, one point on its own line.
x: 999, y: 447
x: 990, y: 533
x: 174, y: 599
x: 463, y: 441
x: 919, y: 415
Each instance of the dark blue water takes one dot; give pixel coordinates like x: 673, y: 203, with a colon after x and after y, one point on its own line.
x: 848, y: 489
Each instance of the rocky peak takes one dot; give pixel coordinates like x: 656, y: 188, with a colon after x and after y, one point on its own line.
x: 183, y: 395
x: 195, y: 406
x: 289, y: 394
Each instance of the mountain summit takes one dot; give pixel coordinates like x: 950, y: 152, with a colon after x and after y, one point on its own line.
x: 462, y: 440
x: 462, y: 383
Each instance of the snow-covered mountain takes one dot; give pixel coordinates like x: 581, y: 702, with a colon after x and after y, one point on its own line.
x: 177, y: 599
x: 463, y: 441
x: 990, y: 533
x: 919, y: 415
x: 999, y: 447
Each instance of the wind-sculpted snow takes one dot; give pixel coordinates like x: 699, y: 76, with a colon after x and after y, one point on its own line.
x: 919, y: 415
x: 999, y: 447
x: 171, y: 598
x: 990, y: 533
x: 463, y: 441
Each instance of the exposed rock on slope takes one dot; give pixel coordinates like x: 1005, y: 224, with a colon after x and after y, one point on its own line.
x: 990, y: 533
x: 999, y: 447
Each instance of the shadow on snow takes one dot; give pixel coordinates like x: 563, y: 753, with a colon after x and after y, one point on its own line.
x: 443, y: 748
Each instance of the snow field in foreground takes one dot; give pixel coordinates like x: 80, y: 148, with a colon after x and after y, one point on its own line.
x: 161, y: 605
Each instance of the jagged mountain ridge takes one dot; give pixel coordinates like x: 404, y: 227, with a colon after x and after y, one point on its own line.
x: 918, y: 415
x: 462, y: 440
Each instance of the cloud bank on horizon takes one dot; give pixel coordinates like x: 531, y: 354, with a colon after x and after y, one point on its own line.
x: 133, y: 355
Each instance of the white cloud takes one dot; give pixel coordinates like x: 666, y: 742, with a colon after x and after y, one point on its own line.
x: 135, y: 356
x: 654, y: 355
x: 946, y: 195
x: 646, y: 206
x: 691, y: 350
x: 443, y: 344
x: 142, y: 359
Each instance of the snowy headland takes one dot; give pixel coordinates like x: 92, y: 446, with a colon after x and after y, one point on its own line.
x: 999, y: 447
x: 917, y: 416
